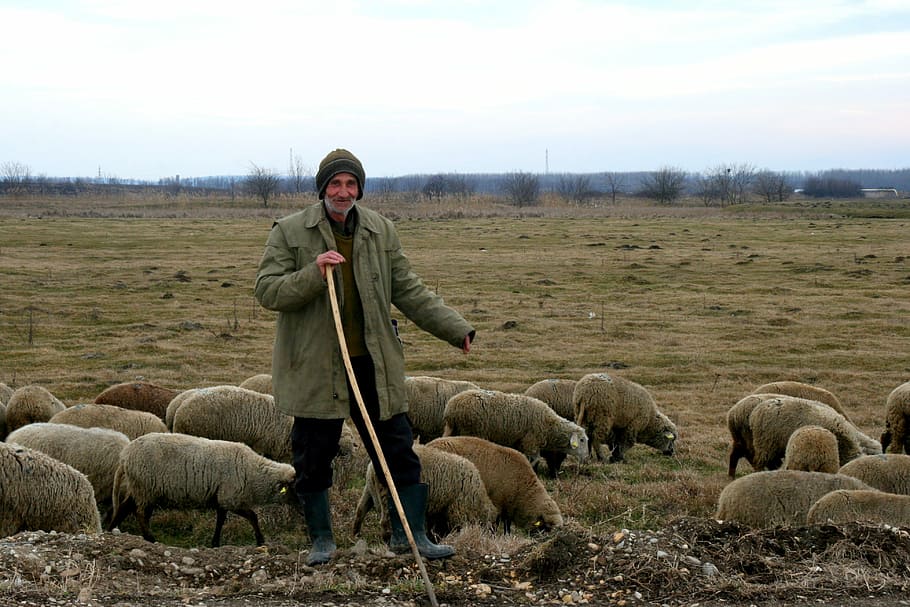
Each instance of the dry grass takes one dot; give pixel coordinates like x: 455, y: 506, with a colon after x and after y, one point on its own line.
x: 698, y: 305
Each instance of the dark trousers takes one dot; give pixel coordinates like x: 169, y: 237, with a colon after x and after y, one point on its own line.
x: 314, y: 442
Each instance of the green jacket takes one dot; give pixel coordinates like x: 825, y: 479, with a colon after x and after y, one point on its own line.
x: 308, y: 373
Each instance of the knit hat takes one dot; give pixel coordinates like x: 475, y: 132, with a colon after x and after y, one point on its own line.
x: 339, y: 161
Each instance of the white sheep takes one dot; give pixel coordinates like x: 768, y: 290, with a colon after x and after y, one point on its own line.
x: 427, y: 397
x: 174, y: 405
x: 171, y: 470
x: 773, y: 420
x: 456, y: 494
x: 514, y: 420
x: 30, y: 404
x: 803, y: 390
x: 93, y: 451
x: 778, y: 497
x: 896, y: 436
x: 619, y: 413
x: 556, y: 392
x: 813, y: 449
x: 888, y: 472
x: 261, y: 382
x: 129, y: 421
x: 38, y: 492
x: 741, y: 432
x: 138, y: 395
x: 510, y: 482
x: 868, y: 506
x: 236, y: 414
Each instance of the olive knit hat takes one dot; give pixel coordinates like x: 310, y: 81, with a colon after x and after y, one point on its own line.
x: 339, y: 161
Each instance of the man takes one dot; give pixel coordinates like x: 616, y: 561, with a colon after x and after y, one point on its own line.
x: 309, y: 380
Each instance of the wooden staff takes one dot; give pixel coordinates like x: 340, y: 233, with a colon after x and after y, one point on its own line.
x: 339, y: 329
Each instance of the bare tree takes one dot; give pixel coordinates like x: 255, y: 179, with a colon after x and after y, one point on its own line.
x: 435, y: 187
x: 664, y: 185
x: 262, y: 183
x: 523, y: 189
x: 298, y: 173
x: 730, y: 183
x: 615, y: 183
x: 15, y: 177
x: 771, y: 186
x: 706, y: 189
x: 574, y: 188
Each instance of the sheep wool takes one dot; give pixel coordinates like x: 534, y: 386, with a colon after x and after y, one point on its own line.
x: 888, y: 472
x: 5, y: 393
x: 514, y: 420
x: 803, y: 390
x: 619, y: 413
x: 456, y: 497
x: 427, y: 397
x: 138, y: 395
x: 258, y: 383
x: 93, y: 451
x: 174, y: 405
x: 236, y: 414
x: 556, y: 392
x: 30, y: 404
x: 740, y: 431
x: 170, y: 470
x: 129, y: 421
x: 778, y: 497
x: 896, y: 436
x: 813, y: 449
x: 868, y: 506
x: 773, y: 421
x: 510, y: 482
x: 38, y: 492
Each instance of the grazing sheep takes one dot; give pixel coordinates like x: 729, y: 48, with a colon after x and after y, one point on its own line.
x: 170, y: 470
x: 258, y: 383
x: 896, y: 437
x: 38, y: 492
x: 139, y: 396
x: 427, y: 397
x: 5, y: 393
x: 773, y: 420
x: 801, y: 390
x: 510, y: 482
x: 236, y: 414
x: 868, y: 506
x: 129, y: 421
x: 741, y: 432
x: 778, y: 497
x: 813, y: 449
x: 30, y: 404
x: 558, y: 394
x: 95, y: 452
x: 888, y: 472
x: 457, y: 495
x: 514, y: 420
x: 620, y: 413
x: 174, y: 405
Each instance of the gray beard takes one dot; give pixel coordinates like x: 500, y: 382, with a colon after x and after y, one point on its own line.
x: 331, y: 209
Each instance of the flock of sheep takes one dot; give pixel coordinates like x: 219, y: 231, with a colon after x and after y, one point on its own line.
x: 139, y: 447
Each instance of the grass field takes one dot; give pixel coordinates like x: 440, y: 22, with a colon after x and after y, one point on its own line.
x: 698, y: 305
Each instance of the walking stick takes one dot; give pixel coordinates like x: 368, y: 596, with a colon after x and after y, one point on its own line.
x: 373, y: 438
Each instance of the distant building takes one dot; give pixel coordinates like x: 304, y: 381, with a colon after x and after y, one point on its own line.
x: 879, y: 193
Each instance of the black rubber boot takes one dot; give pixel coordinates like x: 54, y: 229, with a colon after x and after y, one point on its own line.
x: 414, y: 502
x: 318, y: 517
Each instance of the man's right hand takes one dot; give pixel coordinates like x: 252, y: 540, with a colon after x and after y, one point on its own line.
x: 329, y: 258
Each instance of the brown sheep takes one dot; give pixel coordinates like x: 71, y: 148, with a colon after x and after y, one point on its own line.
x: 138, y: 396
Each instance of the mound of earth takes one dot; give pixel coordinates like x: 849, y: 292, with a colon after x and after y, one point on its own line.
x: 691, y: 561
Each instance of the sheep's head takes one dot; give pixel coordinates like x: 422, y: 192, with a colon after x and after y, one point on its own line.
x: 578, y: 442
x: 886, y: 436
x: 661, y: 434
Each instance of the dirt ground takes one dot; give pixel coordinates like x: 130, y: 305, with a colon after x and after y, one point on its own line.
x: 693, y: 561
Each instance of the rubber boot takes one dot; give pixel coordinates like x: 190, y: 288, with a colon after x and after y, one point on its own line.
x: 319, y: 525
x: 414, y: 502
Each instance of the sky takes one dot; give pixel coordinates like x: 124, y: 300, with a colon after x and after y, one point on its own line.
x: 150, y: 90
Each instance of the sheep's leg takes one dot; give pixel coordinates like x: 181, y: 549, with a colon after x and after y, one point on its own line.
x: 220, y: 517
x: 254, y: 522
x: 121, y: 511
x: 737, y: 452
x: 144, y: 515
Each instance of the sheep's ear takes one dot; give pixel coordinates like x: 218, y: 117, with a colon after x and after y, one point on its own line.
x: 669, y: 436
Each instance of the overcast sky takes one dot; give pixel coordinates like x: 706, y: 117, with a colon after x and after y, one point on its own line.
x: 141, y: 89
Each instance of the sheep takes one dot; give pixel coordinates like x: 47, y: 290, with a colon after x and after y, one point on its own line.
x: 802, y: 390
x: 131, y: 422
x: 38, y: 492
x: 170, y: 470
x: 773, y: 420
x: 174, y: 405
x: 237, y: 414
x: 558, y: 394
x: 778, y: 497
x: 457, y: 495
x: 93, y: 451
x: 740, y: 432
x: 30, y: 404
x: 619, y: 413
x: 888, y: 472
x: 845, y: 506
x: 896, y: 436
x: 5, y: 393
x: 514, y: 420
x: 510, y: 482
x: 812, y: 448
x: 138, y: 395
x: 258, y: 383
x: 427, y: 397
